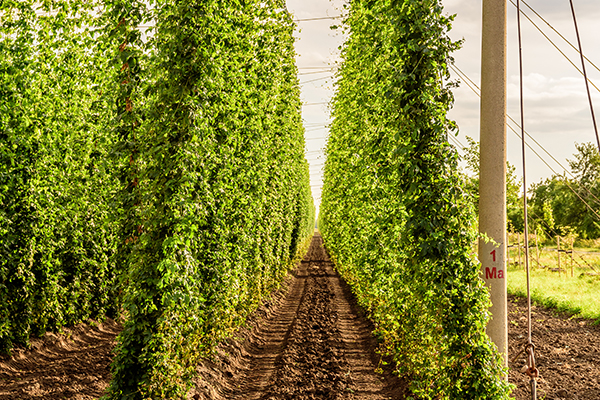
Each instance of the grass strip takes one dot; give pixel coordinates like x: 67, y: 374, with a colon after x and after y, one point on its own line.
x: 578, y: 295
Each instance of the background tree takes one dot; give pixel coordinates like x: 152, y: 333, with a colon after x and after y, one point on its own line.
x: 558, y: 203
x: 514, y: 198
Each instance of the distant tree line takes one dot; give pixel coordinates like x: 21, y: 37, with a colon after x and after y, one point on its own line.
x: 563, y: 204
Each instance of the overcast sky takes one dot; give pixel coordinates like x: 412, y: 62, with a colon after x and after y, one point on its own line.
x: 557, y: 112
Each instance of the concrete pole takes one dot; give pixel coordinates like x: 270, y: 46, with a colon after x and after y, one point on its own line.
x: 492, y: 178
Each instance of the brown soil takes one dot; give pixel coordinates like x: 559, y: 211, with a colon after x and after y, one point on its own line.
x: 567, y: 352
x: 73, y: 365
x: 309, y: 341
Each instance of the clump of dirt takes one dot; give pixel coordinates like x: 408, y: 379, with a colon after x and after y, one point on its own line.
x: 567, y: 353
x: 72, y: 365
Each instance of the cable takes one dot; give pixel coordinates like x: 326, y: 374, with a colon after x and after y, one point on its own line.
x: 457, y: 143
x: 316, y: 72
x: 314, y: 80
x: 565, y: 180
x: 559, y: 50
x: 315, y: 104
x: 316, y: 67
x: 318, y: 18
x: 460, y: 73
x: 587, y: 85
x: 531, y: 370
x: 554, y: 29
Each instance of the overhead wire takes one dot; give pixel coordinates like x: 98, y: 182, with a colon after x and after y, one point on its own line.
x: 565, y: 180
x: 316, y: 72
x: 587, y: 85
x: 554, y: 29
x: 318, y: 18
x: 315, y: 80
x: 534, y: 214
x: 456, y: 142
x: 475, y: 88
x: 558, y: 48
x: 326, y: 67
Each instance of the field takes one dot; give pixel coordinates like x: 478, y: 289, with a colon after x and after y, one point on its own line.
x: 574, y: 287
x: 310, y: 340
x: 155, y: 194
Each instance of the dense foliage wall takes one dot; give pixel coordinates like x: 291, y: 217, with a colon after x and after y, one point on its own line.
x: 395, y: 215
x: 158, y: 173
x: 56, y: 237
x: 215, y: 184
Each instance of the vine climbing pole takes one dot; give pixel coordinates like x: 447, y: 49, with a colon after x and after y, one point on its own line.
x: 492, y: 181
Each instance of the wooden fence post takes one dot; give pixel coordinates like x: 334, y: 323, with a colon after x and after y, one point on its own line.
x: 519, y: 247
x: 572, y: 249
x: 558, y: 252
x: 507, y: 249
x: 537, y: 251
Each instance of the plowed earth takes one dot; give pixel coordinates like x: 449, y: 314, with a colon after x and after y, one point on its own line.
x: 309, y: 341
x: 73, y: 365
x: 313, y: 343
x: 567, y: 353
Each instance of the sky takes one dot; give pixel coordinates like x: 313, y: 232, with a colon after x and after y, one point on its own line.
x: 557, y: 113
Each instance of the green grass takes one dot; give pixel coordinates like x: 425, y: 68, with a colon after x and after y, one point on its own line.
x: 570, y: 288
x: 578, y: 295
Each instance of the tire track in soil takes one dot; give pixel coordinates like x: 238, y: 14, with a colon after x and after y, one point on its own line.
x: 316, y: 345
x: 311, y: 342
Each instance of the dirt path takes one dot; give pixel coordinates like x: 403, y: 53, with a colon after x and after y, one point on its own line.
x: 314, y: 345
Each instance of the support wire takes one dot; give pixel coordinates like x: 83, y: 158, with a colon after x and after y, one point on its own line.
x: 476, y: 90
x: 555, y: 31
x: 531, y: 371
x: 556, y: 46
x: 587, y: 84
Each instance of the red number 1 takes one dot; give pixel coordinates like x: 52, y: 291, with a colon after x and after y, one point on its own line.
x: 493, y: 253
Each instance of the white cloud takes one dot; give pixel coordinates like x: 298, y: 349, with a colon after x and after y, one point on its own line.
x: 316, y: 45
x: 556, y: 107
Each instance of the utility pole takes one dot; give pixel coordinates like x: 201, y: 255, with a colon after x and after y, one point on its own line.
x: 492, y: 178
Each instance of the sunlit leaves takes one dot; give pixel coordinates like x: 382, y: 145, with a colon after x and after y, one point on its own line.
x: 56, y: 236
x: 394, y: 214
x: 222, y: 197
